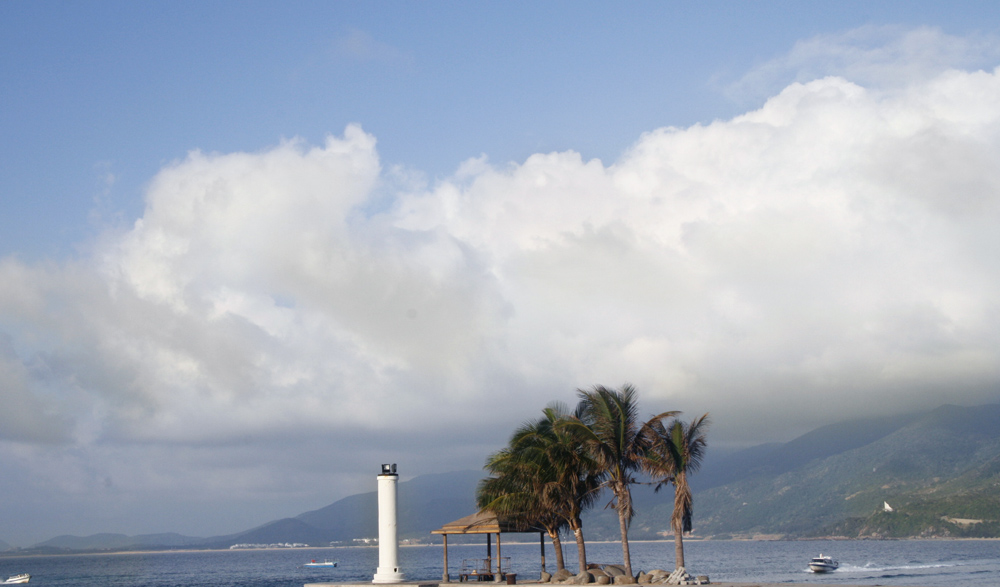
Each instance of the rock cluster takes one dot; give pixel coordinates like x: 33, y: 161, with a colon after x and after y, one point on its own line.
x: 615, y: 575
x: 678, y: 577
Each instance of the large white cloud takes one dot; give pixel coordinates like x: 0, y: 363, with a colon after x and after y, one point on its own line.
x: 836, y: 246
x: 837, y: 241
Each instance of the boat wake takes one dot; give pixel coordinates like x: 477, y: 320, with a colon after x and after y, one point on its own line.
x: 873, y: 568
x: 872, y: 571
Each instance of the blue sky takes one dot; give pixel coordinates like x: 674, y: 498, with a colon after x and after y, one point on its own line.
x: 236, y: 237
x: 118, y: 88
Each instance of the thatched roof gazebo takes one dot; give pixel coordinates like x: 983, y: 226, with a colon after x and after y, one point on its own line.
x: 488, y: 523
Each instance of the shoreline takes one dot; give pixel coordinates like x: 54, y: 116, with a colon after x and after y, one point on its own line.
x: 724, y: 584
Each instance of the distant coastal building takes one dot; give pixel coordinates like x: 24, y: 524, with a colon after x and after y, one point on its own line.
x: 886, y: 507
x: 273, y: 545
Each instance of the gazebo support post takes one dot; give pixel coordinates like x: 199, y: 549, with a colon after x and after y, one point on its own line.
x: 489, y: 552
x: 499, y: 575
x: 445, y: 578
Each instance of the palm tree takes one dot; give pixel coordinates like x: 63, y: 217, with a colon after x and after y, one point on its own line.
x: 577, y: 477
x: 546, y: 476
x: 516, y: 491
x: 608, y: 425
x: 676, y: 450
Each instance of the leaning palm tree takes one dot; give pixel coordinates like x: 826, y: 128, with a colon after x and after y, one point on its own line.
x: 575, y: 476
x: 608, y: 425
x: 515, y: 490
x: 676, y: 450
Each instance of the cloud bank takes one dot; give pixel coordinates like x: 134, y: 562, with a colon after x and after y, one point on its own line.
x: 836, y: 246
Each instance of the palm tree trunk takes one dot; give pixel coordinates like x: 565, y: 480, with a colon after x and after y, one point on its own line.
x: 623, y: 524
x: 679, y: 547
x: 682, y: 501
x: 581, y: 548
x: 557, y: 546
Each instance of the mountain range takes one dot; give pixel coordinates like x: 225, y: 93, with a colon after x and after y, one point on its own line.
x: 425, y: 503
x: 938, y: 471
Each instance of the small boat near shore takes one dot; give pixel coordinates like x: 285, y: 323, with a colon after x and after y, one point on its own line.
x: 17, y: 579
x: 327, y: 563
x: 823, y: 564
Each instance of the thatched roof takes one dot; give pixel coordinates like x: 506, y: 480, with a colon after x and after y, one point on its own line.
x: 482, y: 523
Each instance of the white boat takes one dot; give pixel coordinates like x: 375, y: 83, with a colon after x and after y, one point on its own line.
x: 823, y: 564
x: 326, y: 563
x: 15, y: 579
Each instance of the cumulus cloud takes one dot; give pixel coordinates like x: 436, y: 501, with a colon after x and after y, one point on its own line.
x: 835, y: 246
x: 836, y: 241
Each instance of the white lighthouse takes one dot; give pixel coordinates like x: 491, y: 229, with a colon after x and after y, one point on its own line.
x: 388, y: 544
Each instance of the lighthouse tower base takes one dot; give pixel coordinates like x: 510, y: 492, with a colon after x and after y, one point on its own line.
x: 388, y: 543
x: 387, y: 576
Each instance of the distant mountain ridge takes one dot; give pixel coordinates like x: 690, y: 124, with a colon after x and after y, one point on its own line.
x: 949, y: 456
x: 777, y: 458
x: 425, y: 503
x: 940, y: 470
x: 932, y: 467
x: 109, y: 541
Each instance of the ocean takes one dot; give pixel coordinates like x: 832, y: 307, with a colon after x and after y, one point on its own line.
x: 927, y: 563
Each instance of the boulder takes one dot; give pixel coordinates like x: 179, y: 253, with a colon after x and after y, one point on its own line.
x: 562, y: 575
x: 614, y: 570
x: 545, y: 577
x: 657, y: 576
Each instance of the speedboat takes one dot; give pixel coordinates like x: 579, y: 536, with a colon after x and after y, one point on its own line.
x: 823, y: 564
x: 326, y: 563
x: 15, y: 579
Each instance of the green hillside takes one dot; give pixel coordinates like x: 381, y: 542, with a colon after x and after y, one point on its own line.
x: 943, y: 464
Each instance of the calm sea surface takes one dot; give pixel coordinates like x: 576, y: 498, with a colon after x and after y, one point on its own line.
x: 943, y: 563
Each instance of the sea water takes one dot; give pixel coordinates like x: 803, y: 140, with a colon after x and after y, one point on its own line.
x: 927, y: 563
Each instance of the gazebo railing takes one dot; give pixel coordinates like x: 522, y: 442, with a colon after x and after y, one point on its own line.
x: 483, y: 569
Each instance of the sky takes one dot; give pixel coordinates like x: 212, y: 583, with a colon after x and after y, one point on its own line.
x: 249, y: 251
